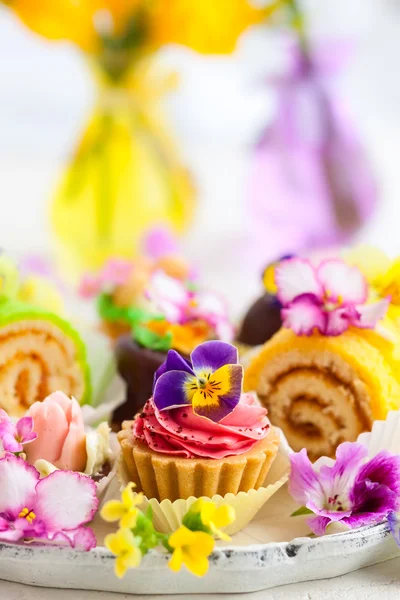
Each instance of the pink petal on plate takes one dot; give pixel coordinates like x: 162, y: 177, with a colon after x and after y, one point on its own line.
x: 295, y: 277
x: 65, y: 500
x: 303, y: 480
x: 304, y: 315
x: 18, y: 481
x: 341, y: 281
x: 82, y: 538
x: 370, y: 314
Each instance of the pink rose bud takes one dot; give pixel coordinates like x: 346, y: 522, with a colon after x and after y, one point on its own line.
x: 61, y: 439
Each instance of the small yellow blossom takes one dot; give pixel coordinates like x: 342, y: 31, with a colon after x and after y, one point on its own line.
x: 125, y: 546
x: 215, y: 517
x: 191, y: 548
x: 123, y: 510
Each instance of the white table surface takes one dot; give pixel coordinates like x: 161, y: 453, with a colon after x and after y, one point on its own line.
x: 382, y: 580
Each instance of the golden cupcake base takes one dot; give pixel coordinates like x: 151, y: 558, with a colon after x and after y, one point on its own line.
x: 163, y: 476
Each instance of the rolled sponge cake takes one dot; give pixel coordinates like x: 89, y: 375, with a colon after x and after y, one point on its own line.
x: 39, y: 353
x: 323, y: 390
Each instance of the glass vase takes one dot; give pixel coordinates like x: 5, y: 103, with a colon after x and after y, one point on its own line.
x: 124, y: 176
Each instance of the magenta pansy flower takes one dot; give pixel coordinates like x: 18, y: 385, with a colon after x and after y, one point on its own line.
x: 211, y: 382
x: 14, y: 435
x: 330, y: 298
x: 55, y: 508
x: 353, y: 490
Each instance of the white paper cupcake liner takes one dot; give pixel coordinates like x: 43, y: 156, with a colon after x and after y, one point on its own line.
x: 384, y: 435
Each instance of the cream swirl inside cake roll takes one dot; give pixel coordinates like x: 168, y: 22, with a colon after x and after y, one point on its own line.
x: 40, y: 353
x: 324, y: 390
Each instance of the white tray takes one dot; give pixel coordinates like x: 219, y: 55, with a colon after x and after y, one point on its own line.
x: 262, y: 556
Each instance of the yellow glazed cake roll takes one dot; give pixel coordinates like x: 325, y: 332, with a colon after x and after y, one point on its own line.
x: 334, y: 366
x: 325, y: 390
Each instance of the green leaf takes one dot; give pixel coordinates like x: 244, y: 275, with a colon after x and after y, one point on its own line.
x: 149, y: 339
x: 303, y: 510
x: 192, y: 520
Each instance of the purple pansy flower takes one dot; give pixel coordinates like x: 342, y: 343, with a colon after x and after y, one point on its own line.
x: 329, y: 298
x: 211, y: 382
x: 54, y: 508
x: 14, y: 435
x: 353, y: 489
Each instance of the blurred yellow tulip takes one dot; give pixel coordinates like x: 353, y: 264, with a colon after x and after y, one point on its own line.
x: 207, y: 26
x: 79, y: 21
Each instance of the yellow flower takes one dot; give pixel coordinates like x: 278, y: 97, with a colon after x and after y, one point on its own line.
x: 206, y: 26
x: 124, y: 511
x: 214, y: 517
x: 191, y: 548
x: 125, y: 546
x: 74, y: 20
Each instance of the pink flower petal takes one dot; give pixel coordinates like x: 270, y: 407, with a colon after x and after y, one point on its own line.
x: 338, y: 320
x: 169, y: 296
x: 303, y: 481
x: 370, y: 314
x: 116, y: 271
x: 65, y: 500
x: 295, y: 277
x: 10, y: 444
x: 89, y: 286
x: 24, y: 428
x: 343, y: 282
x: 17, y: 487
x: 82, y: 538
x: 304, y: 315
x: 3, y: 415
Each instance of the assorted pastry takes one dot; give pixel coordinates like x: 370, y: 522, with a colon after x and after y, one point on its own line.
x: 200, y: 436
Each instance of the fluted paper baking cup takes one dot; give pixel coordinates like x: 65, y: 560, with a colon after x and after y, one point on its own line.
x: 167, y: 515
x: 384, y: 435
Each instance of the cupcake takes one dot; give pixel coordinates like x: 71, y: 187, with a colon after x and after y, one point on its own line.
x: 120, y: 285
x: 179, y: 317
x: 333, y: 368
x: 198, y: 435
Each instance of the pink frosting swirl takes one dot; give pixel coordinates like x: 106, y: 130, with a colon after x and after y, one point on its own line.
x: 181, y: 432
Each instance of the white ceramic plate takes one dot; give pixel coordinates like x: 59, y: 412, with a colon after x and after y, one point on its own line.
x: 262, y: 556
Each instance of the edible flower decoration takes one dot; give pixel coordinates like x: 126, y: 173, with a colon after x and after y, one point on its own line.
x: 190, y: 545
x: 352, y: 490
x: 54, y: 508
x: 124, y: 510
x: 211, y: 382
x: 13, y: 436
x: 269, y: 274
x: 181, y: 303
x: 115, y: 271
x: 329, y: 298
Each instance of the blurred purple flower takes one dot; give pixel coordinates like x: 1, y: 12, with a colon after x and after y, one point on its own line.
x: 311, y: 184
